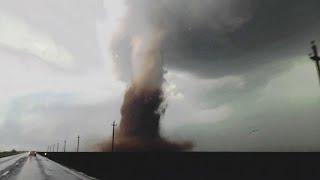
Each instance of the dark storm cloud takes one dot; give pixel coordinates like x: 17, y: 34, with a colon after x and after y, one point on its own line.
x: 255, y: 80
x: 213, y: 38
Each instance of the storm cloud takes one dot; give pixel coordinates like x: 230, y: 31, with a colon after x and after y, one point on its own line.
x: 238, y: 77
x: 215, y: 38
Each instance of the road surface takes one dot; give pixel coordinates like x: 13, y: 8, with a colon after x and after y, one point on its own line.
x: 24, y: 167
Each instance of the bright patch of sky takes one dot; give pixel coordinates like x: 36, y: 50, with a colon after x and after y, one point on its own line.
x: 18, y: 35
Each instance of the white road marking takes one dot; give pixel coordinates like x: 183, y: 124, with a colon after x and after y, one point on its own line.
x: 7, y: 172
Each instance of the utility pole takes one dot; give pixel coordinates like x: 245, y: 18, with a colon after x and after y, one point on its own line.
x: 57, y: 147
x: 64, y: 147
x: 315, y: 56
x: 78, y: 144
x: 53, y: 148
x: 113, y: 125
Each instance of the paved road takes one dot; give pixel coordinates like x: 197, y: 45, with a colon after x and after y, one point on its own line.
x: 9, y: 161
x: 23, y: 167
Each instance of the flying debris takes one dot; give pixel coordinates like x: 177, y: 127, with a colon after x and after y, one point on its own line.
x: 254, y: 131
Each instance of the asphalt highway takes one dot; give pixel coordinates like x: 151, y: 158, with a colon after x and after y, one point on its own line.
x: 25, y: 167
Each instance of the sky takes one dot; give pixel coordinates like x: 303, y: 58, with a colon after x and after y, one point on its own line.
x: 238, y: 74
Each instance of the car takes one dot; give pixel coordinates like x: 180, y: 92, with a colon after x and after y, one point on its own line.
x: 32, y: 153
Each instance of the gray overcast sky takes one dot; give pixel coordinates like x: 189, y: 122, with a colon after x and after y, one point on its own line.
x: 239, y: 78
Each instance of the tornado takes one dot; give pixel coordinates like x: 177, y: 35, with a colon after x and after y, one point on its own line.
x: 144, y: 102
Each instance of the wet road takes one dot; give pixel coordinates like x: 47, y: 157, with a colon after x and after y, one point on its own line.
x: 23, y: 167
